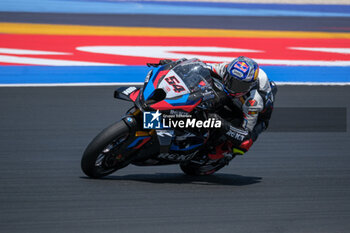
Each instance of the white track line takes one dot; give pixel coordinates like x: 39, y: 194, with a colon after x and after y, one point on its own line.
x: 140, y: 83
x: 69, y: 84
x: 30, y: 52
x: 312, y: 84
x: 303, y: 2
x: 176, y: 52
x: 49, y: 62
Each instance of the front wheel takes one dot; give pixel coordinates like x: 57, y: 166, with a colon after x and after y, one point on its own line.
x: 104, y: 155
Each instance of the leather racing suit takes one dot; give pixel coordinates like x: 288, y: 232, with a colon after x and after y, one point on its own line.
x: 255, y: 107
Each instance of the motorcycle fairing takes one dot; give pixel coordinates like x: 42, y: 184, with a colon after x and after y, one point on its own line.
x: 181, y: 92
x: 127, y: 93
x: 139, y: 142
x: 190, y: 147
x: 173, y: 85
x: 166, y: 148
x: 165, y: 105
x: 150, y: 85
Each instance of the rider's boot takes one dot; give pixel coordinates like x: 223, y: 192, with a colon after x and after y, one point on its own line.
x: 221, y: 152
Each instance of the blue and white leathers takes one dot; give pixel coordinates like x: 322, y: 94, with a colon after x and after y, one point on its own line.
x: 252, y: 103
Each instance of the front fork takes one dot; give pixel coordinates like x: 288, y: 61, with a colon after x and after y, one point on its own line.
x: 138, y: 138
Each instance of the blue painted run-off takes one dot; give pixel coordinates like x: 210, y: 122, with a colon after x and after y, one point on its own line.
x: 173, y: 8
x: 125, y: 74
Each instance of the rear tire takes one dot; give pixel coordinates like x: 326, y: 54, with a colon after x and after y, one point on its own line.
x: 99, y: 158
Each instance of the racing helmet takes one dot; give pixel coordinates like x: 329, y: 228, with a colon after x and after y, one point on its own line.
x: 241, y: 75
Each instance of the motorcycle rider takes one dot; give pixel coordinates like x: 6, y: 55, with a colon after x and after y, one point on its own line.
x: 245, y: 87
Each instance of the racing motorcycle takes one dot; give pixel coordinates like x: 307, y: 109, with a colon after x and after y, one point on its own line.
x: 185, y: 88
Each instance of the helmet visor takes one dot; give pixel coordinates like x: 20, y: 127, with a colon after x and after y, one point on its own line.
x: 237, y: 86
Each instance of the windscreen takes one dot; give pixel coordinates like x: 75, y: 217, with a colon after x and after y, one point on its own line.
x: 193, y: 73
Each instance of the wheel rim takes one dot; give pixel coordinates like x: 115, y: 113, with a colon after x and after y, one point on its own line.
x: 107, y: 161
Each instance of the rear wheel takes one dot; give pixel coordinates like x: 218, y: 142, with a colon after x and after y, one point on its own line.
x: 104, y: 155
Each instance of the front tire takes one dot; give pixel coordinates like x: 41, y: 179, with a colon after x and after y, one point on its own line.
x: 101, y: 157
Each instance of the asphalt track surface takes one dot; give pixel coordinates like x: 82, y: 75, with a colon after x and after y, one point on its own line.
x: 288, y: 182
x: 285, y: 23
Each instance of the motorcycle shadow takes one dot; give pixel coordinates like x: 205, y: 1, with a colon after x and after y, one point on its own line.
x: 180, y: 178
